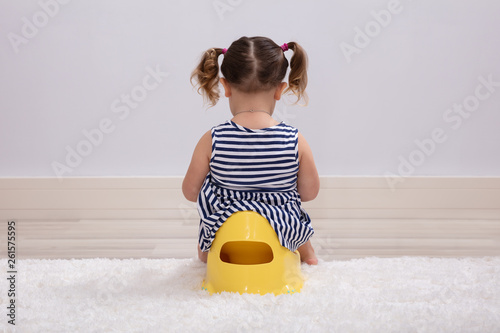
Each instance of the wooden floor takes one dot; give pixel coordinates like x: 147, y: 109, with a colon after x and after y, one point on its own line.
x: 149, y: 218
x: 334, y: 239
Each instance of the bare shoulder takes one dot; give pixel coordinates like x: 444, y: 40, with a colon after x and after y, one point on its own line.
x: 207, y: 137
x: 204, y: 146
x: 303, y: 146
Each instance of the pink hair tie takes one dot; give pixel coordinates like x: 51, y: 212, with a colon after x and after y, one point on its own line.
x: 224, y: 51
x: 284, y: 47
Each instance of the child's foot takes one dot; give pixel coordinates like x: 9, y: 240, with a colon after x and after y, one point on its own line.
x: 202, y: 255
x: 307, y: 254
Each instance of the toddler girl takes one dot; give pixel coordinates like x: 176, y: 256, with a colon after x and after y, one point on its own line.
x: 252, y: 162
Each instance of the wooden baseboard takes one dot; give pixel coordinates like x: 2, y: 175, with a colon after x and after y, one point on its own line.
x: 123, y: 217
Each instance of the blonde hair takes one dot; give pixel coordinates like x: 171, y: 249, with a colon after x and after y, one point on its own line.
x: 252, y: 64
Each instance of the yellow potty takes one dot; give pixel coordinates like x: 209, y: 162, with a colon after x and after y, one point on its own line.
x: 246, y: 257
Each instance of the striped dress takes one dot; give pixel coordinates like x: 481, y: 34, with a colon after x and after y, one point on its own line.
x: 254, y: 169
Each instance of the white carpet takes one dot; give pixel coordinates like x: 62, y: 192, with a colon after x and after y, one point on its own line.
x: 408, y: 294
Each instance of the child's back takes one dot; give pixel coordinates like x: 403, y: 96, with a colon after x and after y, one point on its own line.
x: 253, y: 162
x: 254, y: 170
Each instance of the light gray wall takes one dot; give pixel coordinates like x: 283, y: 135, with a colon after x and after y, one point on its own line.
x: 67, y: 66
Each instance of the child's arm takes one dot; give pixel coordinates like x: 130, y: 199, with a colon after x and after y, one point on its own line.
x: 307, y: 177
x: 199, y: 168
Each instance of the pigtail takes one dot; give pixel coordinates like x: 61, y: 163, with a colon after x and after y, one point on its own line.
x: 206, y: 75
x: 297, y: 79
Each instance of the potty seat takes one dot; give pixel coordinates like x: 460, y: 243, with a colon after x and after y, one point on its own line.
x: 247, y: 257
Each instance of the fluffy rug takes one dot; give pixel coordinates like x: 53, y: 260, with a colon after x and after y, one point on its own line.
x: 407, y: 294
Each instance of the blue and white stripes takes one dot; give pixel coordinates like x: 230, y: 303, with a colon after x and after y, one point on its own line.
x: 254, y: 170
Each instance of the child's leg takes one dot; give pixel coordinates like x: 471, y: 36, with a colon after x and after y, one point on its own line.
x: 202, y: 255
x: 307, y: 254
